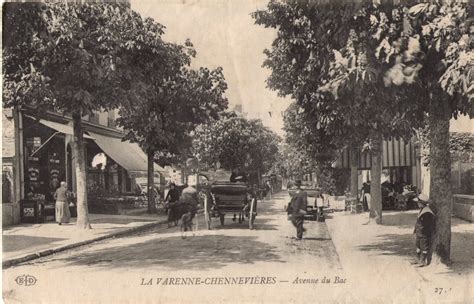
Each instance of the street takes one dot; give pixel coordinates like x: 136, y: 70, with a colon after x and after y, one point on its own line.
x: 116, y: 112
x: 231, y: 261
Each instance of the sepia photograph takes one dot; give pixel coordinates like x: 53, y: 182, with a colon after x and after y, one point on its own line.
x: 237, y: 151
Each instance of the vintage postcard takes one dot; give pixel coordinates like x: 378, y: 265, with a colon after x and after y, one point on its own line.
x: 224, y: 151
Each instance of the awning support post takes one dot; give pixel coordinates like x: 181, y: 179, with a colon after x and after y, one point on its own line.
x: 56, y: 133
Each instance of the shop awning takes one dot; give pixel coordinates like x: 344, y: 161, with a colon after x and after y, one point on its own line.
x: 66, y: 129
x: 396, y: 153
x: 128, y: 155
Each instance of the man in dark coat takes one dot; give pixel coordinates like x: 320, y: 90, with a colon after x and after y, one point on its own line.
x: 172, y: 199
x: 365, y: 193
x: 238, y: 176
x: 299, y: 203
x: 424, y: 228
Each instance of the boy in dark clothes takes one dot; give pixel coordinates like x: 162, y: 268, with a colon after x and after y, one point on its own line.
x: 424, y: 229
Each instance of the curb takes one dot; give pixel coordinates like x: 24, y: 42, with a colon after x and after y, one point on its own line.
x: 15, y: 261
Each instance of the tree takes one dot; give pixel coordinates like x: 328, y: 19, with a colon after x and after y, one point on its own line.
x: 419, y: 51
x: 60, y: 56
x: 235, y: 142
x: 435, y: 51
x: 460, y: 146
x: 165, y: 100
x: 299, y: 58
x: 344, y: 65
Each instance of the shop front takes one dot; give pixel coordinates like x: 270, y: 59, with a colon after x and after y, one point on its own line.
x: 400, y: 163
x: 112, y: 165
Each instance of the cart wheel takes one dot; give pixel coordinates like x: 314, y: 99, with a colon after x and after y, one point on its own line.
x: 222, y: 219
x: 251, y: 215
x: 207, y: 216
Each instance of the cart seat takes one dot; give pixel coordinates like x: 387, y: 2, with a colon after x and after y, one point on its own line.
x: 228, y: 188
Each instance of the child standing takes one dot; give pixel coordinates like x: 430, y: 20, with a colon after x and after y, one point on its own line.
x: 424, y: 228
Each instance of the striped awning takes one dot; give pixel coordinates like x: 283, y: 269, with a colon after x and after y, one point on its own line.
x: 396, y: 153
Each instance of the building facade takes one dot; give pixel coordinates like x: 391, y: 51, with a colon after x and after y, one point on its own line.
x: 37, y: 156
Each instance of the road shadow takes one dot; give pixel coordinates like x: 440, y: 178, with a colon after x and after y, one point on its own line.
x: 204, y: 252
x: 404, y: 245
x: 259, y: 224
x: 316, y: 239
x: 120, y: 221
x: 21, y: 242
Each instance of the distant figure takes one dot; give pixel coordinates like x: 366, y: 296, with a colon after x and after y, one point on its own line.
x: 238, y: 176
x: 424, y: 227
x: 289, y: 185
x: 62, y: 207
x: 299, y: 202
x: 365, y: 195
x: 269, y: 187
x: 319, y: 202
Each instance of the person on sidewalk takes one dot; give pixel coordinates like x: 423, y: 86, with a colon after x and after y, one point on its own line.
x: 62, y: 207
x: 424, y: 227
x: 299, y: 203
x: 319, y: 203
x: 365, y: 195
x: 172, y: 200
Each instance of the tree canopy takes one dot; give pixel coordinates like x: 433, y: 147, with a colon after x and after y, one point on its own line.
x: 386, y: 66
x: 235, y: 142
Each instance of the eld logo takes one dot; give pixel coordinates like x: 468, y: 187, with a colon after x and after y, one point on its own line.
x: 26, y: 280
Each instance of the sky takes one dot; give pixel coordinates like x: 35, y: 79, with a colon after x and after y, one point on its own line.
x: 224, y: 34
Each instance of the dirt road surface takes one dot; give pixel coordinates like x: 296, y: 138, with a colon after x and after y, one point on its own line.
x: 228, y: 263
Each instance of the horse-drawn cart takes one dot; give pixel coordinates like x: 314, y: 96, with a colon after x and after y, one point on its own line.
x: 230, y: 198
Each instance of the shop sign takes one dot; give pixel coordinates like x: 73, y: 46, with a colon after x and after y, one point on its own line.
x: 54, y: 158
x: 54, y: 179
x: 30, y: 212
x: 34, y: 143
x: 33, y: 158
x: 33, y: 174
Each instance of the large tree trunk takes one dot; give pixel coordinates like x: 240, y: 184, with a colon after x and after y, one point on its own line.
x: 354, y: 149
x: 376, y: 177
x: 440, y: 184
x: 151, y: 184
x: 81, y: 174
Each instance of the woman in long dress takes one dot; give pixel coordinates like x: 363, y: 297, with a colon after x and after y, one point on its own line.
x: 62, y: 207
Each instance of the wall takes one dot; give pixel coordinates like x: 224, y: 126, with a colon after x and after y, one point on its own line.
x: 463, y: 207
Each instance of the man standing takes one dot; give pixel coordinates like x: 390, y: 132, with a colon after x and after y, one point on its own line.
x: 424, y: 228
x: 189, y: 198
x: 172, y: 199
x: 366, y: 195
x: 299, y: 203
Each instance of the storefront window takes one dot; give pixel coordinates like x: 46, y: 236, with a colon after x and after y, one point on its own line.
x: 44, y: 159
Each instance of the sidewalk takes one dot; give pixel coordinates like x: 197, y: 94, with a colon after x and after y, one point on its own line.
x: 376, y: 259
x: 29, y: 241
